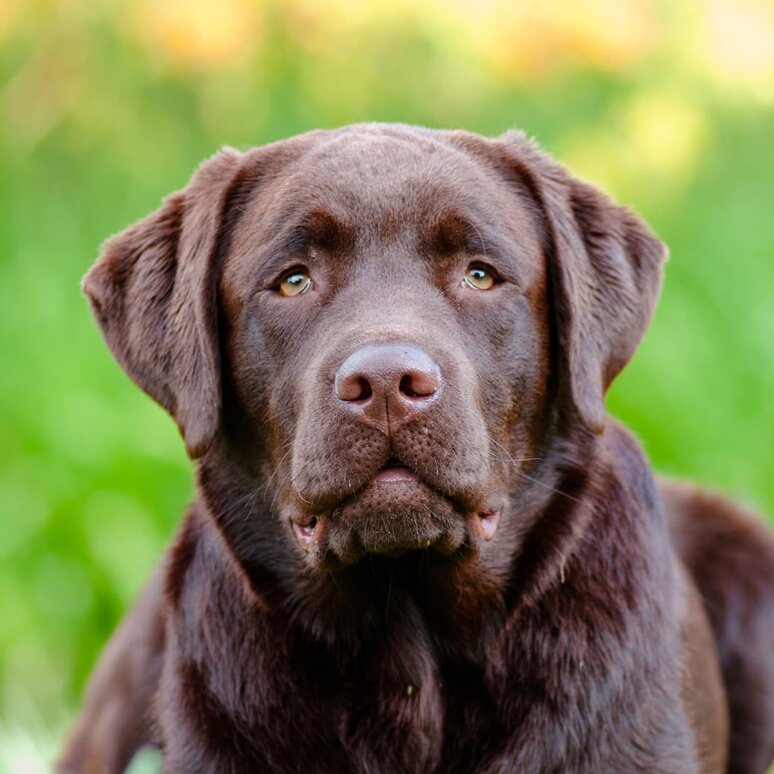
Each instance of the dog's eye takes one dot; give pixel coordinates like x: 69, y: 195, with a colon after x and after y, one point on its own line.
x: 294, y: 283
x: 479, y: 278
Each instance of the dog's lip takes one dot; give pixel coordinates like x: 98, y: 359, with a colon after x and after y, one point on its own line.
x: 308, y: 529
x: 395, y: 474
x: 485, y: 523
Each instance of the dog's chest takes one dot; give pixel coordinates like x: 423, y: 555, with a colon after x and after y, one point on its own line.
x: 396, y: 709
x: 410, y: 722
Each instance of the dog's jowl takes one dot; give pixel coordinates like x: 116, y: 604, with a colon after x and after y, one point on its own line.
x: 418, y: 544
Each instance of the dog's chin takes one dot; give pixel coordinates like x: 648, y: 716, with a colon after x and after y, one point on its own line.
x: 395, y: 514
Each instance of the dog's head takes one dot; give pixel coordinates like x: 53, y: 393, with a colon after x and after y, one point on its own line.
x: 380, y: 327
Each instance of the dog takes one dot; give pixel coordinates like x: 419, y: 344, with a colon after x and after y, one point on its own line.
x: 419, y: 543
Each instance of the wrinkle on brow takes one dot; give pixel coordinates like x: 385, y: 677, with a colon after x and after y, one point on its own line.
x: 323, y: 229
x: 451, y: 233
x: 317, y: 229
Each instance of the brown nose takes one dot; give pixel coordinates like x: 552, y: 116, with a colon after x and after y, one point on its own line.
x: 387, y: 385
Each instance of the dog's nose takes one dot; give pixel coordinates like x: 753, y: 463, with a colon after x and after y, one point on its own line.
x: 387, y: 385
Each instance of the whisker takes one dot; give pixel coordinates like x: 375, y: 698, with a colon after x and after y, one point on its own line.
x: 289, y: 447
x: 256, y: 495
x: 530, y: 478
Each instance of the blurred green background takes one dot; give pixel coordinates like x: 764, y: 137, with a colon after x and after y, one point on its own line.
x: 107, y: 106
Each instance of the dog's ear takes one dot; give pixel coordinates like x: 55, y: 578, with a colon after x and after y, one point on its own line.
x: 605, y: 273
x: 153, y: 293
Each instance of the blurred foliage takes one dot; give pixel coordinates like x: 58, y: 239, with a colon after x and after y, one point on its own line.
x: 107, y: 106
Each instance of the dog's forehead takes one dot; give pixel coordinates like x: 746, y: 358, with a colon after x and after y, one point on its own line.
x: 381, y: 165
x: 395, y: 172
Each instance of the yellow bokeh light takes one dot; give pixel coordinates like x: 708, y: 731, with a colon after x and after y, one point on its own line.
x: 517, y: 39
x: 666, y: 134
x: 526, y: 39
x: 201, y: 32
x: 611, y: 34
x: 651, y: 145
x: 7, y: 11
x: 738, y: 44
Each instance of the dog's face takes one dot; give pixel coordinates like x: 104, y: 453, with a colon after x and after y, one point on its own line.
x: 386, y: 322
x: 385, y: 326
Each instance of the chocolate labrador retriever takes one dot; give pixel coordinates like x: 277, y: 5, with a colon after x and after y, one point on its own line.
x: 419, y: 543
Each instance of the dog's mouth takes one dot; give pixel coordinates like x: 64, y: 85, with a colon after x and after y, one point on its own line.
x: 393, y: 472
x: 394, y: 513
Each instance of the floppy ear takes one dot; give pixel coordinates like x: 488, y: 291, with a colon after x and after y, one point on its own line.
x: 152, y: 291
x: 605, y: 268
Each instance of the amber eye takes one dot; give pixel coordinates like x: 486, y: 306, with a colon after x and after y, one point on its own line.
x: 295, y: 283
x: 479, y: 278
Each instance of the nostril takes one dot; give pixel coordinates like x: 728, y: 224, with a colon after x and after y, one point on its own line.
x: 364, y: 387
x: 354, y: 388
x: 419, y: 384
x: 407, y: 387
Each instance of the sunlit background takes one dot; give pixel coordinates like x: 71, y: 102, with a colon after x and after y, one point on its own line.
x: 107, y: 106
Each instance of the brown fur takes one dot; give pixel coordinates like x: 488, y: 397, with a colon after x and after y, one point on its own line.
x: 525, y: 603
